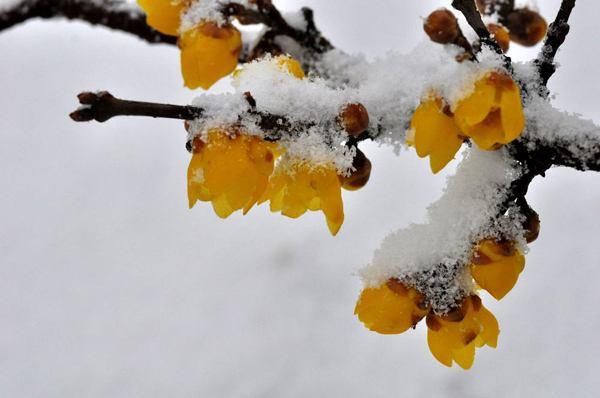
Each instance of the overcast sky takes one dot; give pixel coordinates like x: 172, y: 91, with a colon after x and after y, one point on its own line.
x: 110, y: 286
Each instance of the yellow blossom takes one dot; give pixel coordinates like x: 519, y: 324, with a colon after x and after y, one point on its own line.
x: 434, y: 133
x: 163, y: 15
x: 230, y: 170
x: 454, y: 337
x: 290, y: 65
x: 298, y: 186
x: 391, y: 308
x: 285, y: 63
x: 492, y: 115
x: 208, y: 53
x: 496, y: 266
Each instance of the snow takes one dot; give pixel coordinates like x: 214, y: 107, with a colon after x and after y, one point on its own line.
x: 455, y: 223
x: 550, y: 127
x: 386, y: 87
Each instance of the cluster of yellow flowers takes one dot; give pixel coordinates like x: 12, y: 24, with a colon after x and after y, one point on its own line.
x: 394, y: 307
x: 208, y: 51
x: 491, y: 116
x: 235, y: 171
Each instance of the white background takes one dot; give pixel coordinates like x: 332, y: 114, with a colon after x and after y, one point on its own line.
x: 110, y: 286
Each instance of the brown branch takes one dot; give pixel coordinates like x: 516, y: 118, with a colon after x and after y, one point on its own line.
x: 104, y: 106
x: 118, y: 15
x: 114, y: 14
x: 557, y: 33
x: 545, y: 155
x: 267, y: 14
x: 469, y: 10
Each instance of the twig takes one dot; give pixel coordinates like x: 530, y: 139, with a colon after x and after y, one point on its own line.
x: 557, y: 33
x: 469, y: 10
x: 104, y: 106
x: 119, y: 15
x: 114, y: 14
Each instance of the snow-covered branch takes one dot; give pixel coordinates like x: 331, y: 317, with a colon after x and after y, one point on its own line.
x: 557, y: 34
x: 558, y: 138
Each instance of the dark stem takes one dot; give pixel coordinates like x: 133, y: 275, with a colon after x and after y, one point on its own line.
x: 103, y: 106
x: 557, y: 33
x: 119, y: 15
x: 114, y: 14
x: 469, y: 10
x: 267, y: 14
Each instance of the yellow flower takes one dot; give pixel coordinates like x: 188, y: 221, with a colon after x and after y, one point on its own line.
x: 434, y: 133
x: 391, y: 308
x: 496, y: 266
x: 290, y: 65
x: 455, y: 336
x: 230, y: 170
x: 208, y: 53
x: 298, y: 186
x: 284, y: 63
x: 492, y: 115
x: 164, y: 15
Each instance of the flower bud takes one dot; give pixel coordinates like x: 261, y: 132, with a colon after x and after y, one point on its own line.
x: 442, y: 26
x: 195, y: 145
x: 354, y: 118
x: 501, y: 35
x: 361, y: 174
x: 526, y: 27
x: 531, y: 225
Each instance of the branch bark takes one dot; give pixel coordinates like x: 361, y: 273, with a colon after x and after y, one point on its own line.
x: 104, y: 106
x: 114, y: 14
x: 471, y: 13
x: 121, y: 16
x: 557, y: 33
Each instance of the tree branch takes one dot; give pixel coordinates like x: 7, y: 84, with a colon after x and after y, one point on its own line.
x: 104, y: 106
x: 120, y: 15
x: 267, y: 14
x: 557, y: 33
x: 114, y: 14
x: 469, y: 10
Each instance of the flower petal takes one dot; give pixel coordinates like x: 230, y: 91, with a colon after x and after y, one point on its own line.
x: 439, y: 347
x: 475, y: 107
x: 163, y: 15
x: 208, y: 53
x: 513, y: 119
x: 445, y: 149
x: 465, y: 356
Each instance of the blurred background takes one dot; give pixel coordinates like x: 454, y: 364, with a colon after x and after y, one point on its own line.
x: 110, y: 286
